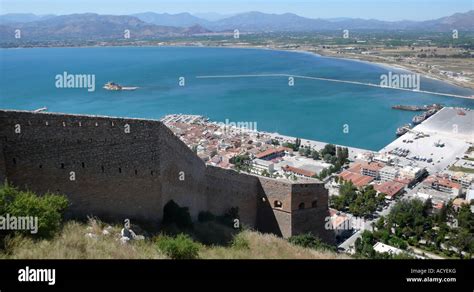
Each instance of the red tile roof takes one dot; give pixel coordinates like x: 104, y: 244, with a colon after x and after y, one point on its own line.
x: 389, y: 188
x: 436, y: 180
x: 300, y: 171
x: 271, y: 151
x: 357, y: 179
x: 373, y: 166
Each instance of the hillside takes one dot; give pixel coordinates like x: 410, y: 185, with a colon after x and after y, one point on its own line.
x: 149, y: 25
x: 91, y: 26
x: 88, y: 241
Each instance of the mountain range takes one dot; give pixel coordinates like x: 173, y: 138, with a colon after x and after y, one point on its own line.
x: 91, y: 26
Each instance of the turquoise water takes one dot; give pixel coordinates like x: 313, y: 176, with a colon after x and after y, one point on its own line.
x: 311, y: 109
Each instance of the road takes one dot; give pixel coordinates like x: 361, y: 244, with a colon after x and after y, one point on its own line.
x: 348, y: 245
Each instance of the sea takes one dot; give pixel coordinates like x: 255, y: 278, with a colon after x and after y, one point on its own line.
x: 169, y: 83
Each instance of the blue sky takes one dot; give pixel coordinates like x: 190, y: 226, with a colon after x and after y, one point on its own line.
x: 378, y: 9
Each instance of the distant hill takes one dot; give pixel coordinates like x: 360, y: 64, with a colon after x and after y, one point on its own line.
x: 258, y: 21
x: 22, y: 17
x: 149, y: 25
x: 180, y: 20
x: 459, y: 21
x: 90, y: 26
x: 212, y: 16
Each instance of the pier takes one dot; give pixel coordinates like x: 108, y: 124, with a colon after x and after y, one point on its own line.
x: 330, y: 80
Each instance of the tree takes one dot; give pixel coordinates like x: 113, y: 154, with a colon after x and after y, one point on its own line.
x: 380, y: 224
x: 327, y: 157
x: 48, y: 208
x: 315, y: 155
x: 329, y: 149
x: 410, y: 218
x: 462, y: 240
x: 466, y: 218
x: 297, y: 143
x: 241, y: 162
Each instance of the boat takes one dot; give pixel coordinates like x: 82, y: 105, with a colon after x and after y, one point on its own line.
x: 418, y: 119
x: 430, y: 113
x: 403, y: 130
x: 115, y: 86
x: 112, y: 86
x: 413, y: 108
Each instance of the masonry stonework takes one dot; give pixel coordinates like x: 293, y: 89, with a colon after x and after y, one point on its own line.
x: 117, y: 168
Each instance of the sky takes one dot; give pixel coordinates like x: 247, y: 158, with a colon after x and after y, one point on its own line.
x: 376, y: 9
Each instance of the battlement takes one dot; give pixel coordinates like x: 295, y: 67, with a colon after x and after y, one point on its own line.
x: 130, y: 168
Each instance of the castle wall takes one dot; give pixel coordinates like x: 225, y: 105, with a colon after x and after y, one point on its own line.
x: 103, y: 170
x: 226, y: 189
x: 117, y: 168
x: 311, y: 211
x: 273, y: 218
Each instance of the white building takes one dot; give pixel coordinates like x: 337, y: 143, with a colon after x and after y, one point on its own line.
x: 388, y: 173
x: 385, y: 248
x: 470, y: 194
x: 260, y: 165
x: 412, y: 172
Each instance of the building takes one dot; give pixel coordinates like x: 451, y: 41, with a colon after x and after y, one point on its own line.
x: 388, y: 173
x: 372, y: 169
x: 435, y: 196
x: 385, y: 248
x: 272, y: 153
x: 357, y: 179
x: 298, y: 171
x: 443, y: 184
x: 391, y: 189
x: 470, y: 194
x: 341, y: 224
x: 412, y: 172
x: 260, y: 165
x: 458, y: 202
x: 463, y: 178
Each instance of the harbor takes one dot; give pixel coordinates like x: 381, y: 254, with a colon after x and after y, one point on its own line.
x: 429, y: 110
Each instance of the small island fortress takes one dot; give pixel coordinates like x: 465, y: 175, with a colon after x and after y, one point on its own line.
x: 117, y: 168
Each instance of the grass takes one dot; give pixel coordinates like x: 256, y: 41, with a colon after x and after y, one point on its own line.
x: 86, y: 241
x: 254, y: 245
x: 73, y: 243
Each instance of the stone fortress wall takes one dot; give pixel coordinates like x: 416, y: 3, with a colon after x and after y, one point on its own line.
x: 117, y: 168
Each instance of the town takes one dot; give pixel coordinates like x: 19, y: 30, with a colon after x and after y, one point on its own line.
x: 431, y: 164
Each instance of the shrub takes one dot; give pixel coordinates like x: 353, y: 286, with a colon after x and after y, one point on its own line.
x: 180, y: 247
x: 205, y: 216
x: 174, y: 214
x: 47, y: 208
x: 309, y: 241
x: 240, y: 242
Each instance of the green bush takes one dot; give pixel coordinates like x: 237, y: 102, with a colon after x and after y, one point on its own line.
x: 239, y: 242
x: 174, y: 214
x: 179, y: 247
x: 309, y: 241
x: 47, y: 208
